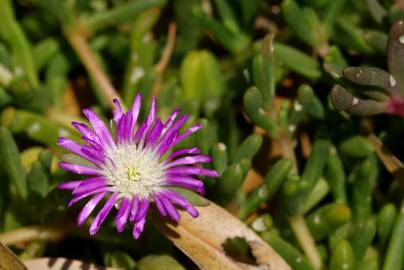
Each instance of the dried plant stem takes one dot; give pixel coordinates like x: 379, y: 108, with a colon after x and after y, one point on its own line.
x: 390, y: 161
x: 81, y: 47
x: 168, y: 49
x: 297, y: 222
x: 36, y: 232
x: 305, y: 240
x: 162, y: 64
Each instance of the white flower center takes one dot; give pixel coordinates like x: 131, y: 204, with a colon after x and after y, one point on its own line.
x: 132, y: 170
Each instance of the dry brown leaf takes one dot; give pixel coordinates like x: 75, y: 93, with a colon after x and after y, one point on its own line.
x: 391, y: 162
x: 201, y: 240
x: 8, y: 260
x: 62, y: 264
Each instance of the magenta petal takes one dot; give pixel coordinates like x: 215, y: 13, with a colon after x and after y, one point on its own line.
x: 89, y: 184
x: 171, y: 211
x: 166, y: 145
x: 175, y: 127
x: 123, y: 131
x: 142, y: 210
x: 182, y: 202
x: 102, y: 215
x: 86, y: 132
x: 96, y: 154
x: 139, y: 132
x: 123, y: 214
x: 159, y: 205
x: 100, y: 128
x: 189, y: 160
x: 79, y: 169
x: 79, y: 149
x: 135, y: 114
x: 89, y: 207
x: 69, y: 185
x: 187, y: 133
x: 118, y: 110
x: 134, y: 208
x: 155, y: 132
x: 150, y: 118
x: 186, y: 182
x: 188, y: 151
x: 77, y: 198
x: 187, y: 170
x: 138, y: 228
x: 170, y: 120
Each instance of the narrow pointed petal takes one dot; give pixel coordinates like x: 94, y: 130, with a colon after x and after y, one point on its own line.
x: 155, y: 132
x: 79, y: 169
x: 139, y: 132
x: 186, y: 182
x: 182, y: 202
x: 102, y: 215
x: 142, y: 210
x: 166, y: 145
x: 138, y: 228
x: 69, y: 185
x: 99, y: 128
x: 189, y: 160
x: 185, y: 151
x: 174, y: 128
x: 187, y: 133
x: 89, y: 184
x: 171, y: 211
x: 123, y: 214
x: 152, y: 113
x: 159, y: 205
x: 118, y: 110
x: 86, y: 132
x: 188, y: 170
x: 89, y: 208
x: 134, y: 208
x: 170, y: 120
x: 77, y: 198
x: 79, y: 150
x: 123, y: 130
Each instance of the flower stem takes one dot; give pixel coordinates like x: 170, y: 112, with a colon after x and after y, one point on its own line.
x: 81, y: 47
x: 297, y: 222
x: 305, y: 240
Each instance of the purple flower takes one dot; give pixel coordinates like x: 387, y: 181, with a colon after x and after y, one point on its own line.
x: 135, y: 168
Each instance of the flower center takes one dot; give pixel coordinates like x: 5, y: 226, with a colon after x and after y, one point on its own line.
x: 133, y: 174
x: 131, y: 170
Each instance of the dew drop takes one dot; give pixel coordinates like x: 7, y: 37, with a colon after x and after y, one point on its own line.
x: 221, y: 146
x: 297, y: 106
x: 392, y: 81
x: 137, y: 73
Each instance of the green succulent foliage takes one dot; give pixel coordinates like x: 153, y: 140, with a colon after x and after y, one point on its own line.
x: 290, y: 94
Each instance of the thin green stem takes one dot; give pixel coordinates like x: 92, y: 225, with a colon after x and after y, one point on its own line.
x: 306, y: 241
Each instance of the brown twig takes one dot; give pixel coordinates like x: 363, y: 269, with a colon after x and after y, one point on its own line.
x: 162, y: 64
x: 30, y: 233
x: 81, y: 47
